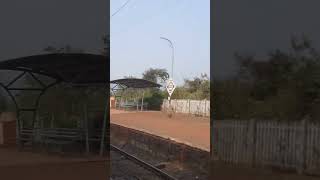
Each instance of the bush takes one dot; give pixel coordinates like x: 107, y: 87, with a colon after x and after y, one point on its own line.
x: 155, y: 100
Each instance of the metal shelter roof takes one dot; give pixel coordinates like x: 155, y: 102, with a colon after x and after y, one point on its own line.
x: 135, y: 83
x: 73, y: 68
x: 77, y: 69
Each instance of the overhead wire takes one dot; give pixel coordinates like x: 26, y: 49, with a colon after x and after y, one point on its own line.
x: 117, y: 11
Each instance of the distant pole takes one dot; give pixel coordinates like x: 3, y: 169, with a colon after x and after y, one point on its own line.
x: 142, y: 100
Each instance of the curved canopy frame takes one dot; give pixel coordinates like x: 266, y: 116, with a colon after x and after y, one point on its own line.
x: 135, y: 83
x: 76, y: 69
x: 123, y: 84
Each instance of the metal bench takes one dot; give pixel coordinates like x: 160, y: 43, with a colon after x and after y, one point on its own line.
x: 26, y: 136
x: 133, y: 106
x: 60, y: 137
x: 128, y: 105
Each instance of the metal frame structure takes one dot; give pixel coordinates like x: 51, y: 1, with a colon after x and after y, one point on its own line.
x: 78, y: 70
x: 19, y: 109
x: 123, y: 84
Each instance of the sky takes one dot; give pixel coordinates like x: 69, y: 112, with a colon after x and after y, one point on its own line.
x: 257, y: 27
x: 27, y: 27
x: 135, y: 37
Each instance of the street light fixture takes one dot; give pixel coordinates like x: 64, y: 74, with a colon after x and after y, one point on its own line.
x: 171, y: 79
x: 172, y: 47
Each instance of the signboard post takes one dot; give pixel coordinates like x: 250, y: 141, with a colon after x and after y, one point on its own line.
x: 170, y: 88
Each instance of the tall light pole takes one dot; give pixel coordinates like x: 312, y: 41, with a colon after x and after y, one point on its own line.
x: 171, y: 78
x: 172, y: 47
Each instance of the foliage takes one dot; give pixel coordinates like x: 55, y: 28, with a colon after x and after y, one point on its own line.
x: 284, y: 86
x: 64, y: 102
x: 155, y: 75
x: 198, y: 88
x: 154, y: 100
x: 68, y: 103
x: 153, y: 96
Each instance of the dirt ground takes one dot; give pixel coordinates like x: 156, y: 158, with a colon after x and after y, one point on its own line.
x: 194, y: 131
x: 16, y: 165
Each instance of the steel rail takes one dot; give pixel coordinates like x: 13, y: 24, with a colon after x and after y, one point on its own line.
x: 143, y: 164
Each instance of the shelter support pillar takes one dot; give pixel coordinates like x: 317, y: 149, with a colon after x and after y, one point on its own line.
x: 104, y: 128
x: 142, y: 100
x: 87, y: 128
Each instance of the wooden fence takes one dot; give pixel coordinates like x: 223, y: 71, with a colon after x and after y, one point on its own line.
x: 268, y: 143
x: 196, y: 107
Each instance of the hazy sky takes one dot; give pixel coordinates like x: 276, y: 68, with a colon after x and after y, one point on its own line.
x: 256, y: 27
x: 26, y: 27
x: 136, y: 44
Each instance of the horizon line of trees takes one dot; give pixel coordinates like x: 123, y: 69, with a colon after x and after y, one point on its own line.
x: 197, y: 88
x: 284, y: 86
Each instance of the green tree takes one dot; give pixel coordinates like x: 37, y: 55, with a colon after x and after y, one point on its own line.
x: 155, y: 75
x: 285, y: 85
x: 153, y: 96
x: 198, y: 88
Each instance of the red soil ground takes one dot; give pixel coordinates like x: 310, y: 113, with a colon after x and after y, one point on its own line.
x: 16, y: 165
x: 194, y: 131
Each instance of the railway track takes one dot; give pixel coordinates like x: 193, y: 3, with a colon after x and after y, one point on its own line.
x: 126, y: 167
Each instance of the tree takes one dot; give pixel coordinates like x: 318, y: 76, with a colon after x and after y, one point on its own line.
x: 198, y: 87
x: 154, y: 97
x: 285, y: 85
x: 155, y: 75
